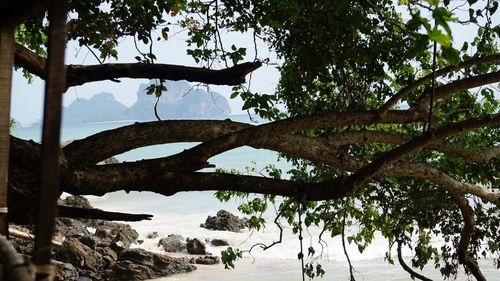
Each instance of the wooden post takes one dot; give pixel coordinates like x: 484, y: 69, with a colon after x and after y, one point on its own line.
x: 54, y: 88
x: 6, y: 64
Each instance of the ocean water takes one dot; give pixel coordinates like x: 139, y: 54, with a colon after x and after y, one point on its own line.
x: 183, y: 213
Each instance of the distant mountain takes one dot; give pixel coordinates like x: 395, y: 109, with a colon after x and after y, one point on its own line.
x: 179, y: 101
x: 101, y: 107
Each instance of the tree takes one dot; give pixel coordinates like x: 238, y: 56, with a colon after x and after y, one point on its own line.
x: 388, y: 122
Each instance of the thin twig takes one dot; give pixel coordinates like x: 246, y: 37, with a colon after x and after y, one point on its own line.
x: 351, y: 268
x: 433, y: 86
x: 408, y: 269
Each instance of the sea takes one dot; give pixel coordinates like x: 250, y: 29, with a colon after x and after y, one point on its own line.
x: 183, y: 213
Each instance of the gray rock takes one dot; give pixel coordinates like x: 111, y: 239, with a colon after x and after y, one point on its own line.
x: 224, y: 220
x: 173, y: 243
x: 219, y: 242
x: 66, y: 272
x: 196, y: 247
x: 209, y: 260
x: 138, y: 264
x: 77, y: 201
x: 89, y: 241
x: 152, y: 235
x: 71, y: 227
x: 116, y: 232
x: 78, y: 254
x: 138, y: 256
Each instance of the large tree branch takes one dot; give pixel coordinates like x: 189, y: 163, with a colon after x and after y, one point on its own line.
x: 366, y: 136
x: 100, y: 180
x: 364, y: 174
x: 201, y: 153
x: 146, y: 176
x: 415, y: 85
x: 466, y: 237
x: 81, y: 74
x: 440, y: 179
x: 220, y: 137
x: 449, y: 89
x: 96, y: 148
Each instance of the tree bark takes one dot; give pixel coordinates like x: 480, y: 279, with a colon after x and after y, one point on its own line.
x: 6, y: 62
x: 82, y: 74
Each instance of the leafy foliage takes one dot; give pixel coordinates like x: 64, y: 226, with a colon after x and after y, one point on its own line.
x: 340, y: 56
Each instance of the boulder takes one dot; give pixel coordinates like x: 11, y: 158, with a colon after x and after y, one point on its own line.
x: 138, y: 264
x: 209, y: 260
x: 152, y: 235
x: 127, y: 270
x: 173, y: 243
x: 89, y: 241
x: 78, y: 254
x: 66, y: 272
x: 116, y: 232
x: 224, y: 220
x: 196, y: 247
x: 77, y: 201
x: 71, y: 227
x: 219, y: 242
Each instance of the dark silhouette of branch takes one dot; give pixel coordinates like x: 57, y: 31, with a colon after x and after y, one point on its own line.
x: 81, y: 74
x: 85, y: 213
x: 408, y: 269
x: 351, y: 268
x: 280, y: 239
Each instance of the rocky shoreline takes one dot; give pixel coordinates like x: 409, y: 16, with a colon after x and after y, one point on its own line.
x: 101, y: 250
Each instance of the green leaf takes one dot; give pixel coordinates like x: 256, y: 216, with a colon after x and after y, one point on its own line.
x: 433, y: 2
x: 451, y: 55
x: 442, y: 39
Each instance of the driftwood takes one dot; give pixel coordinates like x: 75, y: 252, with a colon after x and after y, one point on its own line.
x: 27, y: 236
x: 84, y: 213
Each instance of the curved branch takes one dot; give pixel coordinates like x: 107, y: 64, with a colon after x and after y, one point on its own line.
x: 366, y: 136
x: 449, y: 89
x: 467, y: 233
x: 364, y: 174
x: 308, y: 148
x: 95, y: 148
x: 412, y: 87
x: 261, y: 134
x: 81, y: 74
x: 408, y: 269
x: 441, y: 180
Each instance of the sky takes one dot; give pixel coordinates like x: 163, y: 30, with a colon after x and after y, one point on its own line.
x: 27, y: 99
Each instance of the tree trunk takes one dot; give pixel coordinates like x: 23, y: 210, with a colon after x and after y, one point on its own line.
x: 6, y: 62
